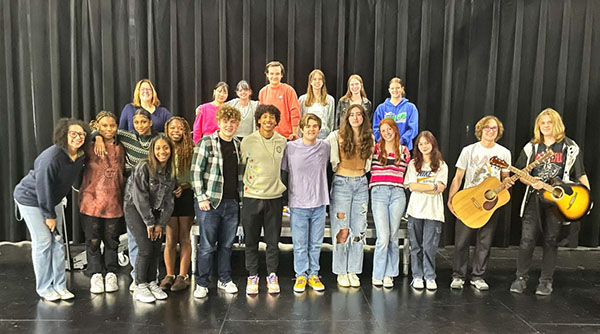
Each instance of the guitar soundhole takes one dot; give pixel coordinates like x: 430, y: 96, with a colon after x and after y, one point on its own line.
x: 490, y: 195
x: 557, y: 192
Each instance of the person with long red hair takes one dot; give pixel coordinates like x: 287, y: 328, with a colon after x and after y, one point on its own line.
x: 426, y: 177
x: 388, y: 201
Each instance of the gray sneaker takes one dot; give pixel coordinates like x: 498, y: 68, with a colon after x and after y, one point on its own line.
x: 457, y: 283
x: 480, y: 284
x: 544, y: 289
x: 158, y: 293
x: 143, y: 294
x: 519, y: 285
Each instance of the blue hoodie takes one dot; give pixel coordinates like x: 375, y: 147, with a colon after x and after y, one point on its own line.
x: 406, y: 116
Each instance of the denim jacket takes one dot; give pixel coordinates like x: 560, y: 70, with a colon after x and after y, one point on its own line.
x: 152, y: 196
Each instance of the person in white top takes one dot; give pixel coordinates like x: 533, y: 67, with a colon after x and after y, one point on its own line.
x: 246, y: 107
x: 473, y: 165
x: 317, y: 101
x: 426, y: 177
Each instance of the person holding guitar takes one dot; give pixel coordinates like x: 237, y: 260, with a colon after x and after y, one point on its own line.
x: 539, y: 216
x: 473, y: 165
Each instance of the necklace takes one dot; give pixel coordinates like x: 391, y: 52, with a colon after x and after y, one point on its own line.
x: 145, y: 144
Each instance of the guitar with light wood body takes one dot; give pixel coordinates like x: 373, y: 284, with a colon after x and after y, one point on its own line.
x: 572, y: 200
x: 475, y: 206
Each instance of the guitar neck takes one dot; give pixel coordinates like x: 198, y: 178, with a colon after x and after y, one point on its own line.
x: 525, y: 175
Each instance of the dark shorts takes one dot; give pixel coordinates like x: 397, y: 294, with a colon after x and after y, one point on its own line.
x: 184, y: 205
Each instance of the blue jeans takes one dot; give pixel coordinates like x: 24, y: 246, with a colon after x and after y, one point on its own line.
x: 47, y: 251
x: 348, y: 210
x: 132, y: 247
x: 308, y: 229
x: 388, y: 203
x: 424, y: 237
x: 218, y: 229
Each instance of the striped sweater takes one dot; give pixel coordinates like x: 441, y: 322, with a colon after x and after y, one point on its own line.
x: 388, y: 174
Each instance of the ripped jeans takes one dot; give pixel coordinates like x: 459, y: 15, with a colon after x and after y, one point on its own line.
x: 348, y: 211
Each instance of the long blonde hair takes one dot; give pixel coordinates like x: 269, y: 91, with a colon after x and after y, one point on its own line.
x: 362, y: 87
x: 558, y: 127
x: 310, y: 95
x: 136, y: 94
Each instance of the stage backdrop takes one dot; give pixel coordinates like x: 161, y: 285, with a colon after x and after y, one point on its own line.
x: 459, y: 59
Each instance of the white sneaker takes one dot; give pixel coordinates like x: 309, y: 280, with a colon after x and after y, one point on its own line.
x: 97, y: 283
x: 51, y: 296
x: 158, y: 293
x: 65, y: 294
x: 143, y: 294
x: 431, y: 284
x: 388, y: 282
x: 200, y: 291
x: 111, y: 282
x: 376, y: 282
x: 229, y: 287
x: 354, y: 280
x: 457, y: 283
x: 480, y: 284
x: 342, y: 280
x: 132, y: 286
x: 417, y: 283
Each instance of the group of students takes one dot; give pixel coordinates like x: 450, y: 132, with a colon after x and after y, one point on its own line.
x: 240, y: 153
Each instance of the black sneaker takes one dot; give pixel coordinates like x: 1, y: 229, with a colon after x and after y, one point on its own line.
x: 519, y: 285
x: 544, y: 289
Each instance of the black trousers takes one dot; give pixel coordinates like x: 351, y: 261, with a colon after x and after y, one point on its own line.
x: 146, y: 262
x: 538, y: 217
x: 98, y: 230
x: 483, y: 242
x: 257, y: 214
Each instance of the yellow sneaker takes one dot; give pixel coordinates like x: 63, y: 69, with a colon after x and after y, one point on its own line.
x: 300, y: 284
x: 315, y: 283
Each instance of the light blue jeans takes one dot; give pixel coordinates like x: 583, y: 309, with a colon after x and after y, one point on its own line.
x: 308, y: 229
x: 348, y: 210
x: 132, y: 248
x: 47, y: 250
x: 424, y: 237
x: 388, y: 204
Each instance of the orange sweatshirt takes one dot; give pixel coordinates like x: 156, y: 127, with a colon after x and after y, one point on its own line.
x: 285, y: 99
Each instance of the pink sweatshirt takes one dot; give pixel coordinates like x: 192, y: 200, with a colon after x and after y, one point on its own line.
x: 206, y: 121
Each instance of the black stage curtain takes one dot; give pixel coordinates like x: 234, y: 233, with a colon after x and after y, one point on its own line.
x: 460, y: 60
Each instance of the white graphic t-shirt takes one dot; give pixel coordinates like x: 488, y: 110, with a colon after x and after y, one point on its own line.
x: 474, y: 160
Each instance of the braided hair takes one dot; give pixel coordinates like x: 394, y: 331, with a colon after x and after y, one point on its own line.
x: 184, y: 148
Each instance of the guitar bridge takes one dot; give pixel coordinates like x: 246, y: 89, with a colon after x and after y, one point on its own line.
x: 475, y: 203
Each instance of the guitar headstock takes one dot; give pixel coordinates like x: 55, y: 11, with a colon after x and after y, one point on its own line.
x: 546, y: 156
x: 497, y: 162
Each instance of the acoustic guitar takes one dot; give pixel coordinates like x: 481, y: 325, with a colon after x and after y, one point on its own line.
x: 475, y: 206
x: 571, y: 200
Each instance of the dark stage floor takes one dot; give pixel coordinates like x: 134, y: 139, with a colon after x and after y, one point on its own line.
x: 574, y: 307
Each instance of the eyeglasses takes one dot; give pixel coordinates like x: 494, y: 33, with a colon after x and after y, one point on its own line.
x: 146, y: 90
x: 490, y: 128
x: 75, y: 134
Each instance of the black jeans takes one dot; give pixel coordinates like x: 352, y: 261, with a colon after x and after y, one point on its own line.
x: 256, y: 214
x: 538, y: 217
x: 98, y: 230
x: 483, y: 242
x: 146, y: 262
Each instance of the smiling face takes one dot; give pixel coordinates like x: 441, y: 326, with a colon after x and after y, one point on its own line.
x: 175, y: 130
x: 274, y: 75
x: 220, y: 94
x: 387, y: 133
x: 142, y: 125
x: 490, y: 131
x: 107, y: 127
x: 75, y: 137
x: 146, y: 92
x: 424, y: 146
x: 355, y: 118
x: 355, y: 86
x: 244, y: 94
x: 228, y: 127
x: 545, y: 123
x: 396, y: 90
x: 267, y: 123
x: 311, y: 130
x: 316, y: 82
x: 162, y: 151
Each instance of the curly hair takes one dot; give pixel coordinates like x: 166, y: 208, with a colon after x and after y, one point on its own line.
x: 266, y: 108
x: 103, y: 113
x: 153, y: 163
x: 61, y: 131
x: 436, y: 155
x: 227, y: 112
x: 381, y: 145
x: 365, y: 146
x: 184, y: 148
x: 483, y: 122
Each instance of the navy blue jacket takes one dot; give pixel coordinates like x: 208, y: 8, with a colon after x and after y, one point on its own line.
x: 50, y: 180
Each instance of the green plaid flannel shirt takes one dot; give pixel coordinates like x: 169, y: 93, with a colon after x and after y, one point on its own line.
x: 207, y: 170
